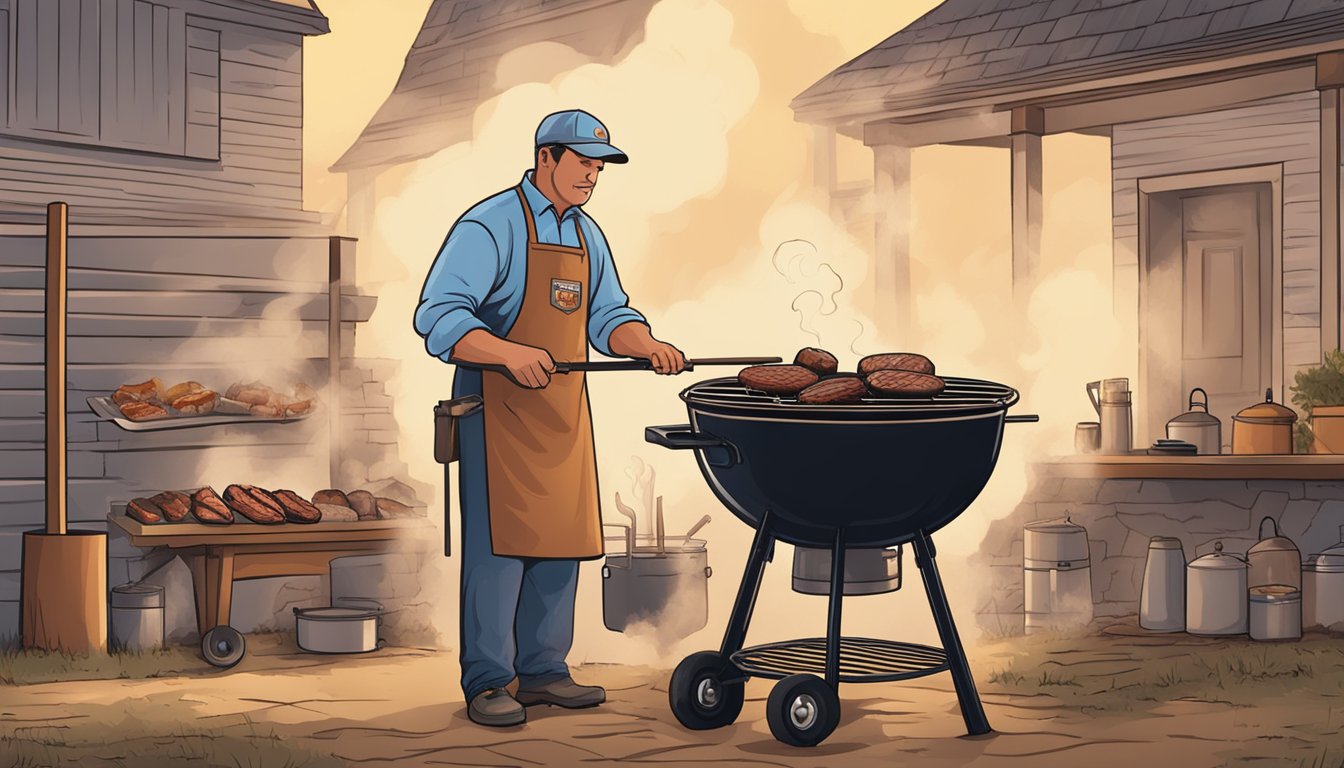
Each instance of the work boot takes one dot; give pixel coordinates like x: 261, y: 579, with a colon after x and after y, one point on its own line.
x: 562, y: 693
x: 494, y: 706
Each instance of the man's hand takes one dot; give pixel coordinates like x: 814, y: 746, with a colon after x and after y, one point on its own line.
x: 634, y: 340
x: 531, y: 366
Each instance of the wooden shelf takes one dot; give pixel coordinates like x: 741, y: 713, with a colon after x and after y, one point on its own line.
x: 1141, y: 466
x: 244, y: 531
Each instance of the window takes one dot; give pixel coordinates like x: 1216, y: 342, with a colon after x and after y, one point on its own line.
x: 128, y: 74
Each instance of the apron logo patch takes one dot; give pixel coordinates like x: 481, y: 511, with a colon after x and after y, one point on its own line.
x: 566, y: 295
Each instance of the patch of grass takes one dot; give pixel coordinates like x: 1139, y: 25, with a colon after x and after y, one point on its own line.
x: 1122, y: 674
x: 30, y: 667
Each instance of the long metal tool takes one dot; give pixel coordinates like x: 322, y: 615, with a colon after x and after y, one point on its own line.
x: 595, y: 366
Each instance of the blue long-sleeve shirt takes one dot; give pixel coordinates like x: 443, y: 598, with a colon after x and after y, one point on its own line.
x: 477, y: 280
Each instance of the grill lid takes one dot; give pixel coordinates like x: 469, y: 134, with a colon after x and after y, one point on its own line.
x: 960, y: 398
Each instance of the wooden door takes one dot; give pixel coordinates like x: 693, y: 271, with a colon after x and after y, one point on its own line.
x: 1208, y: 318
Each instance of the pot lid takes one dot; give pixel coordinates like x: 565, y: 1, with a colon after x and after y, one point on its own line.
x: 1198, y: 415
x: 1274, y: 593
x: 1268, y: 412
x: 1218, y: 560
x: 1164, y: 542
x: 1329, y: 561
x: 1275, y: 543
x: 1058, y: 525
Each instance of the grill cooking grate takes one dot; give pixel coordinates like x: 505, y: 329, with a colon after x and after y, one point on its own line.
x: 862, y: 659
x: 958, y: 394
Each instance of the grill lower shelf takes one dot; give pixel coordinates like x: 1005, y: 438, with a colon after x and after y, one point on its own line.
x: 862, y: 659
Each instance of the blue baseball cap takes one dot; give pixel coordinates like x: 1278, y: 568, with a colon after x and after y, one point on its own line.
x: 580, y: 132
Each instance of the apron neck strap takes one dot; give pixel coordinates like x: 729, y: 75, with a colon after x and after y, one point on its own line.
x: 532, y: 224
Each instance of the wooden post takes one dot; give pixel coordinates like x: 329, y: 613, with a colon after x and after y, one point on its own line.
x: 893, y: 300
x: 1028, y: 124
x: 334, y: 274
x: 57, y: 221
x: 823, y: 158
x: 1329, y: 79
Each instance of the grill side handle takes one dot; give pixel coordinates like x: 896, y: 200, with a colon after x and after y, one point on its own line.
x: 1026, y: 418
x: 680, y: 437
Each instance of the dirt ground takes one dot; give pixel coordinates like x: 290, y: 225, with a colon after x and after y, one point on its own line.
x: 1121, y: 699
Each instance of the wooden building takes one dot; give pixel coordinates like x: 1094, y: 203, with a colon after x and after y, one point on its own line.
x: 451, y: 69
x: 1224, y: 122
x: 173, y: 128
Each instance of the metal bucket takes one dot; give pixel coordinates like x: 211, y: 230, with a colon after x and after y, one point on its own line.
x: 867, y: 571
x: 668, y: 589
x: 137, y: 617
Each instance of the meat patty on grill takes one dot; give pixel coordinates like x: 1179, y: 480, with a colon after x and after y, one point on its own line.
x: 777, y: 379
x: 839, y: 389
x: 297, y: 509
x: 207, y: 507
x: 255, y: 504
x: 144, y: 511
x: 819, y: 361
x: 896, y: 361
x: 904, y: 383
x: 176, y: 506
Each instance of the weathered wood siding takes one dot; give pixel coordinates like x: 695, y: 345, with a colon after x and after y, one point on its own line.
x: 1283, y: 130
x: 222, y: 142
x: 210, y: 310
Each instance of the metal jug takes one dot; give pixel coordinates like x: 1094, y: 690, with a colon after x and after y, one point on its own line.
x: 1111, y: 399
x: 1162, y: 602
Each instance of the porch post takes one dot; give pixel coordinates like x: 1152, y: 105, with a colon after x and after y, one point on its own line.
x: 1028, y: 124
x: 1329, y: 80
x: 893, y: 300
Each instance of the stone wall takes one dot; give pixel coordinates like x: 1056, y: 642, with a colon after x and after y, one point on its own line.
x: 1122, y: 515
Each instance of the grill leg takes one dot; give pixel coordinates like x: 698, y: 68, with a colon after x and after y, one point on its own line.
x: 971, y: 709
x: 833, y: 616
x: 761, y: 549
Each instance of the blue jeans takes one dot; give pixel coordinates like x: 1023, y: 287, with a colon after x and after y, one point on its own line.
x: 517, y: 614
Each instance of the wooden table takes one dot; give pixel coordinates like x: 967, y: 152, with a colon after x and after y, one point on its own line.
x: 219, y: 555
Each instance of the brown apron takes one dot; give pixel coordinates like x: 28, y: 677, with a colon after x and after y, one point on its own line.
x: 541, y: 471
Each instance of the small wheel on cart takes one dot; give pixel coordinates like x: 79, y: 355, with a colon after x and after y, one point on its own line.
x: 223, y: 646
x: 802, y: 710
x: 700, y: 697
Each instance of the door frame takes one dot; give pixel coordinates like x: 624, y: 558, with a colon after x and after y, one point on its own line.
x: 1271, y: 174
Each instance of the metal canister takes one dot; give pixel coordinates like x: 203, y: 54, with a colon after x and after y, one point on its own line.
x: 1274, y: 559
x: 1215, y: 594
x: 137, y: 617
x: 1162, y: 601
x: 1057, y: 576
x: 1275, y: 612
x: 1323, y: 588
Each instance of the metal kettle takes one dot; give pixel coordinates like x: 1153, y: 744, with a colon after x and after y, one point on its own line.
x: 1111, y: 399
x: 1197, y: 426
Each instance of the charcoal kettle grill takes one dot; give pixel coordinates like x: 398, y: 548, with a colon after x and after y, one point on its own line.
x: 878, y: 473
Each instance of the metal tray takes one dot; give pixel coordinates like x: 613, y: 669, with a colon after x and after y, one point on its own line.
x: 106, y: 409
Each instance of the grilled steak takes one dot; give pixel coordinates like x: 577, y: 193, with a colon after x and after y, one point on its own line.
x: 136, y: 410
x: 185, y: 388
x: 896, y: 361
x: 145, y: 511
x: 364, y: 504
x: 904, y: 383
x: 147, y: 390
x: 840, y: 389
x: 176, y: 506
x: 331, y: 496
x: 390, y: 508
x: 207, y: 507
x: 777, y: 379
x: 297, y: 509
x: 819, y: 361
x: 255, y: 504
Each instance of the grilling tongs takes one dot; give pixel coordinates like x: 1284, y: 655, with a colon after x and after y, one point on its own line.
x: 623, y: 365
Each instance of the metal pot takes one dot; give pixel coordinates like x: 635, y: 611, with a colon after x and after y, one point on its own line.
x: 1323, y: 588
x: 1162, y: 601
x: 338, y: 629
x: 1263, y: 428
x: 1197, y: 426
x: 1274, y: 559
x: 1215, y: 594
x: 1275, y: 612
x: 867, y: 571
x: 664, y: 582
x: 137, y: 617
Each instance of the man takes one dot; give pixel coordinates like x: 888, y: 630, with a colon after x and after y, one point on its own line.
x: 524, y: 279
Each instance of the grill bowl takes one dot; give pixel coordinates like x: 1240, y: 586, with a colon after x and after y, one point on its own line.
x: 883, y: 469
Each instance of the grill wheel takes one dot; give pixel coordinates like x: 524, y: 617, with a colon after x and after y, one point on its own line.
x: 699, y: 697
x: 802, y: 710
